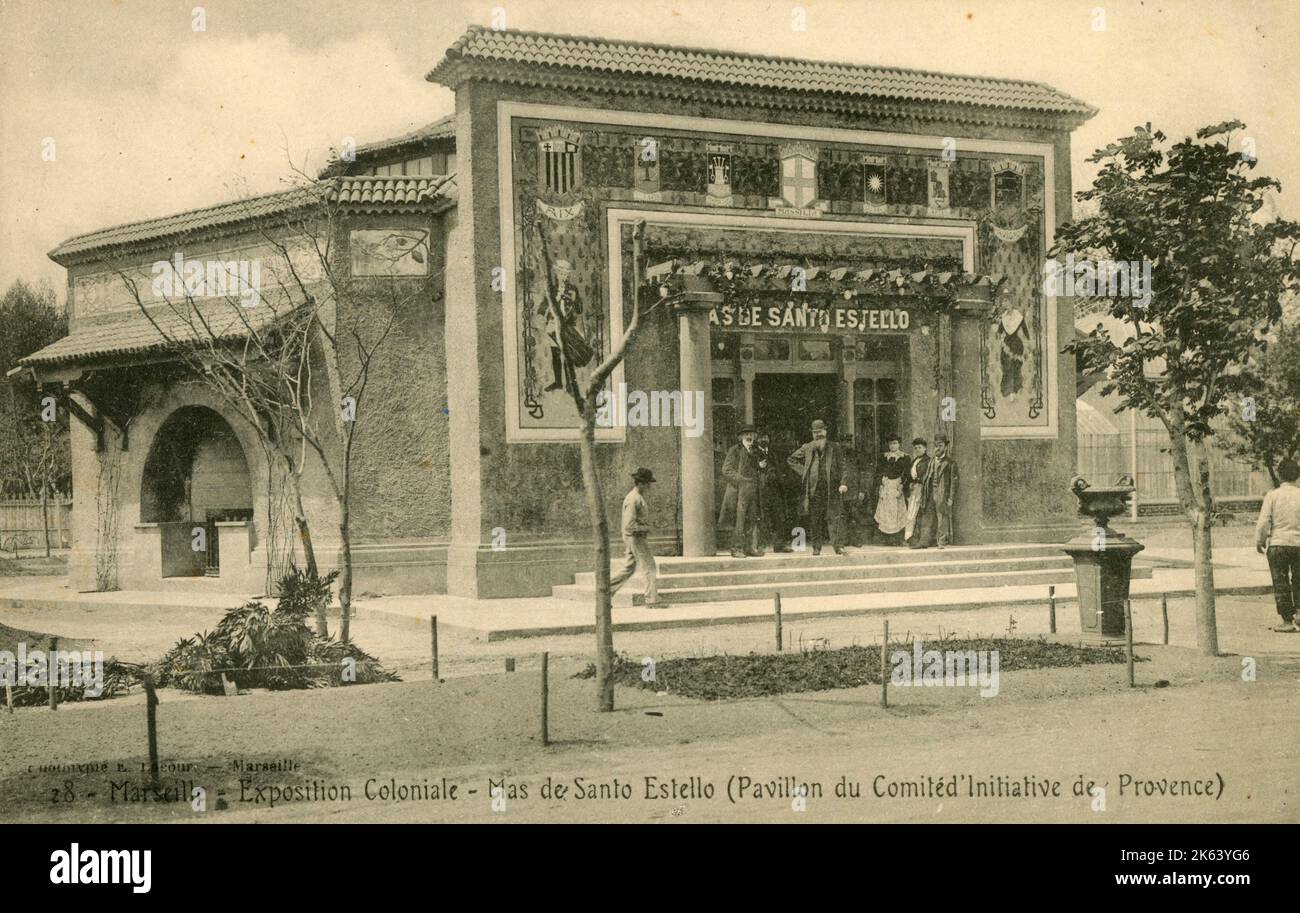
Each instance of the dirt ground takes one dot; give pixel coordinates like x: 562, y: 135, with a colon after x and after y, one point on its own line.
x: 32, y: 564
x: 1061, y: 727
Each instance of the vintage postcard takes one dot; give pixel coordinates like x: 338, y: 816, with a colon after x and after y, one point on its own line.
x: 582, y: 412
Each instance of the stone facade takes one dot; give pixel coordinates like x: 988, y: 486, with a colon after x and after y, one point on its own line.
x: 529, y: 485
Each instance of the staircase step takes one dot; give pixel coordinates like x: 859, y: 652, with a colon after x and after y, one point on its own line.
x: 763, y: 572
x: 876, y: 555
x: 631, y: 593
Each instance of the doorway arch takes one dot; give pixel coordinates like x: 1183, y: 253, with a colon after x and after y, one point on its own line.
x: 195, y: 476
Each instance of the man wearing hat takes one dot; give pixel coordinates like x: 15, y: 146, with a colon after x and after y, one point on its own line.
x: 742, y: 508
x: 943, y: 490
x: 824, y: 477
x: 636, y: 531
x: 772, y: 495
x: 919, y: 532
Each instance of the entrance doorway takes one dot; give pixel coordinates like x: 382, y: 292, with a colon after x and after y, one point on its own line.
x: 786, y: 404
x: 195, y: 476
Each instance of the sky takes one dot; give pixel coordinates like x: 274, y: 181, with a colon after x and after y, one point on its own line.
x: 118, y: 110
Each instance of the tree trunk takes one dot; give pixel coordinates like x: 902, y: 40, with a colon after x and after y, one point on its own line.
x: 308, y: 549
x: 345, y: 578
x: 1198, y: 503
x: 600, y: 530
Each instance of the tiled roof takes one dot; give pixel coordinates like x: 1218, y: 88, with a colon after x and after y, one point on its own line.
x: 134, y: 335
x: 361, y: 193
x: 442, y: 128
x: 363, y: 190
x: 532, y: 50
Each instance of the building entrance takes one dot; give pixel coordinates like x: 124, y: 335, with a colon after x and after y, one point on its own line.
x: 786, y: 404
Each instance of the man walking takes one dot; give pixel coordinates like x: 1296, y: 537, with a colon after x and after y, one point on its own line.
x: 742, y: 508
x: 824, y: 478
x: 636, y: 531
x: 1277, y: 534
x: 943, y: 490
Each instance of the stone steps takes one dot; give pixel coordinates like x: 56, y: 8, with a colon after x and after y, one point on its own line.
x: 810, y: 572
x: 724, y: 579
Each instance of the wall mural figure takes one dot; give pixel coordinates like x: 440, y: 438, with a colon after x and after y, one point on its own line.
x: 1014, y: 342
x: 566, y: 331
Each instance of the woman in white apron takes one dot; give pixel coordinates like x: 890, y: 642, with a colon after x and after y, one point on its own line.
x: 891, y: 508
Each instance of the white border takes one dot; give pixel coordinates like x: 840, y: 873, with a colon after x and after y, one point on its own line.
x: 507, y: 110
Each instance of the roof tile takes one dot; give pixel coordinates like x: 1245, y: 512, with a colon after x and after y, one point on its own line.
x: 134, y: 334
x: 750, y: 70
x: 350, y: 192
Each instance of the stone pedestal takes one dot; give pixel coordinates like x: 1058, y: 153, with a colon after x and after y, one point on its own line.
x: 1103, y: 559
x: 1102, y: 576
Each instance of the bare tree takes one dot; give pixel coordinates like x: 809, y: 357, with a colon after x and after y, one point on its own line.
x: 588, y: 405
x: 295, y: 365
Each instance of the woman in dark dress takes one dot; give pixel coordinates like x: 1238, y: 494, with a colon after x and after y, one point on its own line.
x: 891, y: 506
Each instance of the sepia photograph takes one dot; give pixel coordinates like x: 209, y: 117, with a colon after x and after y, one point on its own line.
x: 743, y: 412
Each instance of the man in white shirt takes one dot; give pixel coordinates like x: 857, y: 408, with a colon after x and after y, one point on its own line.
x: 636, y: 531
x: 1277, y: 534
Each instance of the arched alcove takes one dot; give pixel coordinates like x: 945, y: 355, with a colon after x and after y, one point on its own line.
x: 195, y: 475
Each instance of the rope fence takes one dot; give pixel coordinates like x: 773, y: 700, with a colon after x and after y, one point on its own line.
x: 886, y: 642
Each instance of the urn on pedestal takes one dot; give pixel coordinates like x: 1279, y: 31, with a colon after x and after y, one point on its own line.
x: 1103, y: 557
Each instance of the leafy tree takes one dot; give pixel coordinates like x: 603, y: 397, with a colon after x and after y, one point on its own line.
x: 1220, y: 272
x: 35, y: 459
x: 1266, y: 428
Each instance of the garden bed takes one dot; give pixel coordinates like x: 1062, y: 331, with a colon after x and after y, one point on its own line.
x: 713, y: 678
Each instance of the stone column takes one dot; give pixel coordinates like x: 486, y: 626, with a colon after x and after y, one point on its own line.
x: 967, y: 323
x: 697, y: 452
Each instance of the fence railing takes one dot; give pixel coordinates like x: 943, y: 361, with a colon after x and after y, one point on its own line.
x: 1104, y: 457
x: 20, y: 519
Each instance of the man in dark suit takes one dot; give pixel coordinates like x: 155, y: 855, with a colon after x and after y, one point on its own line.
x: 943, y: 490
x: 742, y: 508
x: 772, y: 494
x: 824, y: 477
x: 920, y: 501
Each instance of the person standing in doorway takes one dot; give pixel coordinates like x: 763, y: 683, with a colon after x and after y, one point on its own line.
x: 920, y: 505
x: 824, y: 478
x: 891, y: 506
x: 1277, y: 535
x: 742, y: 508
x: 775, y: 526
x: 943, y: 490
x: 636, y: 536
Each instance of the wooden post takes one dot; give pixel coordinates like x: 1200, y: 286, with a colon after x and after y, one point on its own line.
x: 510, y: 664
x: 9, y: 697
x: 776, y: 602
x: 151, y: 716
x: 1164, y: 615
x: 1128, y: 638
x: 52, y: 680
x: 433, y: 637
x: 546, y: 735
x: 884, y: 667
x: 1051, y: 608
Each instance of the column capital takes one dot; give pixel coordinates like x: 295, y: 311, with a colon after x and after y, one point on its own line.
x: 693, y: 295
x: 973, y: 302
